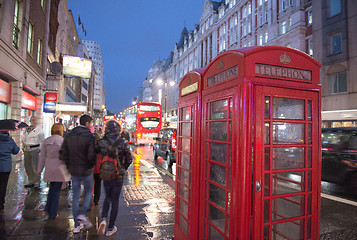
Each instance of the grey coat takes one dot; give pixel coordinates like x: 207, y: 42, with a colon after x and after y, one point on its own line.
x: 55, y: 169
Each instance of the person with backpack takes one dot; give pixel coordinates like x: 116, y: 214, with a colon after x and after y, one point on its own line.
x: 116, y: 158
x: 78, y: 152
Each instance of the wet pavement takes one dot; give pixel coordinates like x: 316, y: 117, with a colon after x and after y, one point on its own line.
x: 146, y: 208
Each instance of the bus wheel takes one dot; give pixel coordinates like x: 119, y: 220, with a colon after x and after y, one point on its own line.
x: 155, y: 155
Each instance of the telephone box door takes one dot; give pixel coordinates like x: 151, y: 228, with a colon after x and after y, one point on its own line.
x: 286, y: 163
x: 217, y: 151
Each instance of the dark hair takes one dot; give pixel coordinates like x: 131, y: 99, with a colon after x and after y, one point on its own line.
x: 85, y: 118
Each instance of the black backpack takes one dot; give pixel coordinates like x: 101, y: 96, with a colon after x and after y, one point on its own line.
x: 111, y: 166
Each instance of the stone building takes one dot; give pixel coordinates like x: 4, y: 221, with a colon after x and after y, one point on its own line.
x: 335, y: 47
x: 23, y: 34
x: 233, y: 24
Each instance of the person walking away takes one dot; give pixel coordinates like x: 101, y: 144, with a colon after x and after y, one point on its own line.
x: 97, y: 180
x: 32, y: 140
x: 55, y: 169
x: 113, y: 187
x: 7, y: 147
x: 78, y: 152
x: 124, y: 134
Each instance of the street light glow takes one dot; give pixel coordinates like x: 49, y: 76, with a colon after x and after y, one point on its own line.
x: 159, y: 81
x: 172, y: 83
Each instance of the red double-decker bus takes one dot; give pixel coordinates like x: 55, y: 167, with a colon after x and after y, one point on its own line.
x: 143, y: 121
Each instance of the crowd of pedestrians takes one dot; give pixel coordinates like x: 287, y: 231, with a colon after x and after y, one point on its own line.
x: 77, y: 158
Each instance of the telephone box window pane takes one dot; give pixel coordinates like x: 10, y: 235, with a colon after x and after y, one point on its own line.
x: 309, y: 181
x: 185, y: 161
x: 214, y: 234
x: 230, y: 108
x: 266, y: 210
x: 219, y: 109
x: 186, y: 113
x: 186, y: 129
x: 308, y: 204
x: 309, y: 157
x: 267, y: 133
x: 183, y: 224
x: 218, y: 174
x: 266, y: 184
x: 216, y: 217
x: 288, y: 108
x: 267, y: 159
x: 288, y: 158
x: 288, y: 133
x: 217, y: 195
x: 309, y: 133
x: 309, y: 110
x: 218, y: 131
x: 267, y: 108
x: 185, y: 176
x: 230, y: 131
x: 289, y: 230
x: 184, y: 192
x: 288, y: 207
x: 288, y: 182
x: 230, y: 155
x: 266, y: 232
x: 308, y: 228
x: 186, y: 145
x: 218, y: 152
x: 183, y: 208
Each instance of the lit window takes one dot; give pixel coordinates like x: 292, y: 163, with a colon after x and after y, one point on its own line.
x: 310, y: 49
x: 290, y: 2
x: 335, y: 7
x: 249, y: 8
x: 30, y: 39
x: 266, y: 37
x: 260, y: 2
x: 260, y: 40
x: 39, y: 52
x: 283, y: 27
x: 336, y: 43
x: 16, y: 30
x: 338, y: 82
x: 309, y: 17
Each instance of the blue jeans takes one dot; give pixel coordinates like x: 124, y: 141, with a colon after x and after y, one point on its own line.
x: 112, y: 193
x: 53, y: 197
x: 87, y: 182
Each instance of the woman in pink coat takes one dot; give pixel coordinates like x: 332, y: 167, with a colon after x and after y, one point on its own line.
x: 55, y: 169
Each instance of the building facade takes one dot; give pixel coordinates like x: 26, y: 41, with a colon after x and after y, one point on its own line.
x: 23, y: 34
x: 232, y: 24
x: 335, y: 47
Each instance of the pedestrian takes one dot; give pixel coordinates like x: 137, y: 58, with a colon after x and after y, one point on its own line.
x: 7, y: 147
x: 113, y: 187
x: 97, y: 180
x: 56, y: 172
x: 78, y: 152
x: 125, y: 135
x: 32, y: 140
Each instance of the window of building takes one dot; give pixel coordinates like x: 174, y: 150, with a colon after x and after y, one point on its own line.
x: 30, y: 39
x: 260, y: 39
x: 335, y: 7
x: 249, y: 8
x: 266, y: 16
x: 290, y: 2
x: 39, y: 52
x: 260, y: 19
x: 85, y: 85
x: 260, y: 2
x: 266, y: 37
x: 336, y: 43
x: 16, y: 30
x: 283, y: 27
x: 283, y: 4
x: 309, y: 45
x: 309, y: 17
x: 338, y: 82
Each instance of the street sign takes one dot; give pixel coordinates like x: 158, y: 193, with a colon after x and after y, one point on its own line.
x: 49, y: 107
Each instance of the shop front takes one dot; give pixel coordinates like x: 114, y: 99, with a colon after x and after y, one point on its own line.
x: 5, y: 98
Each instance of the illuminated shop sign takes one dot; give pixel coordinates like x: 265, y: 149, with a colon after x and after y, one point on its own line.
x: 28, y: 101
x: 225, y: 75
x: 76, y: 66
x: 49, y: 107
x: 275, y: 71
x: 5, y: 92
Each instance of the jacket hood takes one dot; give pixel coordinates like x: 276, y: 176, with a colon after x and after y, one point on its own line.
x: 79, y: 130
x: 112, y: 129
x: 4, y: 137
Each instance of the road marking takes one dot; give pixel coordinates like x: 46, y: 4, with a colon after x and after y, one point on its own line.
x: 338, y: 199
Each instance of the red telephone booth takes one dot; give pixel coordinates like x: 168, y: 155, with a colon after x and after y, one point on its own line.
x: 187, y: 160
x: 260, y: 140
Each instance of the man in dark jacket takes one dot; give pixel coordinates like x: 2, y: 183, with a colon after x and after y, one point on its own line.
x: 113, y: 187
x: 78, y: 152
x: 125, y: 135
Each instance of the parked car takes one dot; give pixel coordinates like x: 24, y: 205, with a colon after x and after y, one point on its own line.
x: 339, y: 156
x: 165, y: 146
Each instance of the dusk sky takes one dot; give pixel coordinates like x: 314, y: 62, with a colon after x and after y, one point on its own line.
x: 132, y: 35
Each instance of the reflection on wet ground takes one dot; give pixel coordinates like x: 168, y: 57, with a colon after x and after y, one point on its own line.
x: 146, y: 208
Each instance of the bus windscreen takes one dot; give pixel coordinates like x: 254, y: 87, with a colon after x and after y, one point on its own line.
x: 149, y: 122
